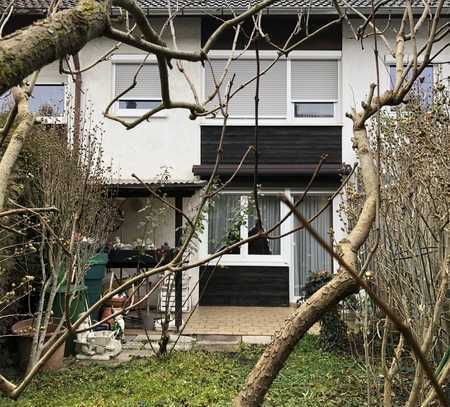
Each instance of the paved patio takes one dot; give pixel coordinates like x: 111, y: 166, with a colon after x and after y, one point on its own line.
x: 260, y: 321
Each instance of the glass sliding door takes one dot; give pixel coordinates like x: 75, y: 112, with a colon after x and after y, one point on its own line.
x: 224, y: 222
x: 269, y: 207
x: 309, y: 256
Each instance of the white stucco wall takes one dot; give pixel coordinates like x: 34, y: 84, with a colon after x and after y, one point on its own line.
x: 359, y: 70
x: 172, y: 140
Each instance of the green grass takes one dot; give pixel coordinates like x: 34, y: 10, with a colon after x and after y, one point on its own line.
x: 310, y: 378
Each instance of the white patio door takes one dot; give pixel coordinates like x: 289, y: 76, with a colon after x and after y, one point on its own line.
x: 309, y: 256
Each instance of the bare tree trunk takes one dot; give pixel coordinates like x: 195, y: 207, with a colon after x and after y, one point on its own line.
x: 47, y: 40
x: 296, y: 326
x: 25, y: 121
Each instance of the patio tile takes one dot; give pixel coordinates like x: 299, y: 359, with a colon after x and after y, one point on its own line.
x: 255, y: 321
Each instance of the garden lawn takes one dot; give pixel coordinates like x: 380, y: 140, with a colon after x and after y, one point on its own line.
x: 311, y: 378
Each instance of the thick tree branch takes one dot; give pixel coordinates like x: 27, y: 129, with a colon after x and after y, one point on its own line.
x: 9, y: 158
x: 47, y: 40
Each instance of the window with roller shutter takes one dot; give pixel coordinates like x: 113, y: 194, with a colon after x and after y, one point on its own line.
x: 147, y: 92
x: 291, y: 89
x: 272, y: 93
x: 314, y: 88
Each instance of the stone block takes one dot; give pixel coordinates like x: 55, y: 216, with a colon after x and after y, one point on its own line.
x: 183, y: 346
x: 181, y: 339
x: 123, y: 357
x: 133, y: 345
x: 218, y: 343
x: 143, y: 338
x: 257, y: 339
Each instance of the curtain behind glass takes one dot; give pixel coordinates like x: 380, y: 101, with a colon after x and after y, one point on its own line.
x: 222, y: 215
x: 309, y: 256
x: 270, y: 214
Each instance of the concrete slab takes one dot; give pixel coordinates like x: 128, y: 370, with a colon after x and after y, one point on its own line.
x: 219, y: 338
x: 99, y: 358
x: 184, y: 347
x: 257, y: 339
x: 181, y: 339
x: 122, y: 357
x: 218, y: 343
x: 132, y: 345
x: 143, y: 338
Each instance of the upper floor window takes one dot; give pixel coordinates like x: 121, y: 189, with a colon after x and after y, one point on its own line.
x: 6, y: 102
x: 290, y: 89
x: 423, y: 86
x: 147, y: 92
x: 272, y: 90
x: 314, y: 88
x: 45, y: 100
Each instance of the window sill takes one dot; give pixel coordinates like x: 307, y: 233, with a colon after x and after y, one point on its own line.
x: 138, y: 113
x: 252, y: 260
x: 273, y: 122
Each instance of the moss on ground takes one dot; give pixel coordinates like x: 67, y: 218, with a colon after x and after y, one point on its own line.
x: 311, y: 378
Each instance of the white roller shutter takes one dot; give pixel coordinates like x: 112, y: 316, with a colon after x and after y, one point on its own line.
x: 148, y: 85
x: 314, y: 80
x: 273, y: 87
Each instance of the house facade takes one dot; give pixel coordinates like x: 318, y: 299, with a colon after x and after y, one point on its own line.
x: 303, y: 100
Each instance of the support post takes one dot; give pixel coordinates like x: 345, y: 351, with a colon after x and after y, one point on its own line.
x: 178, y: 274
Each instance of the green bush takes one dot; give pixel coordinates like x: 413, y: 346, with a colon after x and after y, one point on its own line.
x: 333, y: 331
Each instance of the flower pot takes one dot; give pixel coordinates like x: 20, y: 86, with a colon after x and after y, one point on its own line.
x: 24, y: 332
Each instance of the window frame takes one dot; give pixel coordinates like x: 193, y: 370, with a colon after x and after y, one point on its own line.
x: 290, y: 118
x: 287, y: 245
x: 336, y: 105
x: 244, y: 258
x: 118, y: 59
x: 57, y: 118
x: 248, y: 55
x: 390, y: 62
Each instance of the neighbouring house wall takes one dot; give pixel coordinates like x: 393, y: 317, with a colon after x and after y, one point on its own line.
x: 359, y: 70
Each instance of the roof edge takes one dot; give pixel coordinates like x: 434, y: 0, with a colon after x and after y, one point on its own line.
x: 197, y: 11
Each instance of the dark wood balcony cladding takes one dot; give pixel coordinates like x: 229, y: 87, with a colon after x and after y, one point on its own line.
x: 280, y: 28
x: 245, y: 285
x: 277, y: 145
